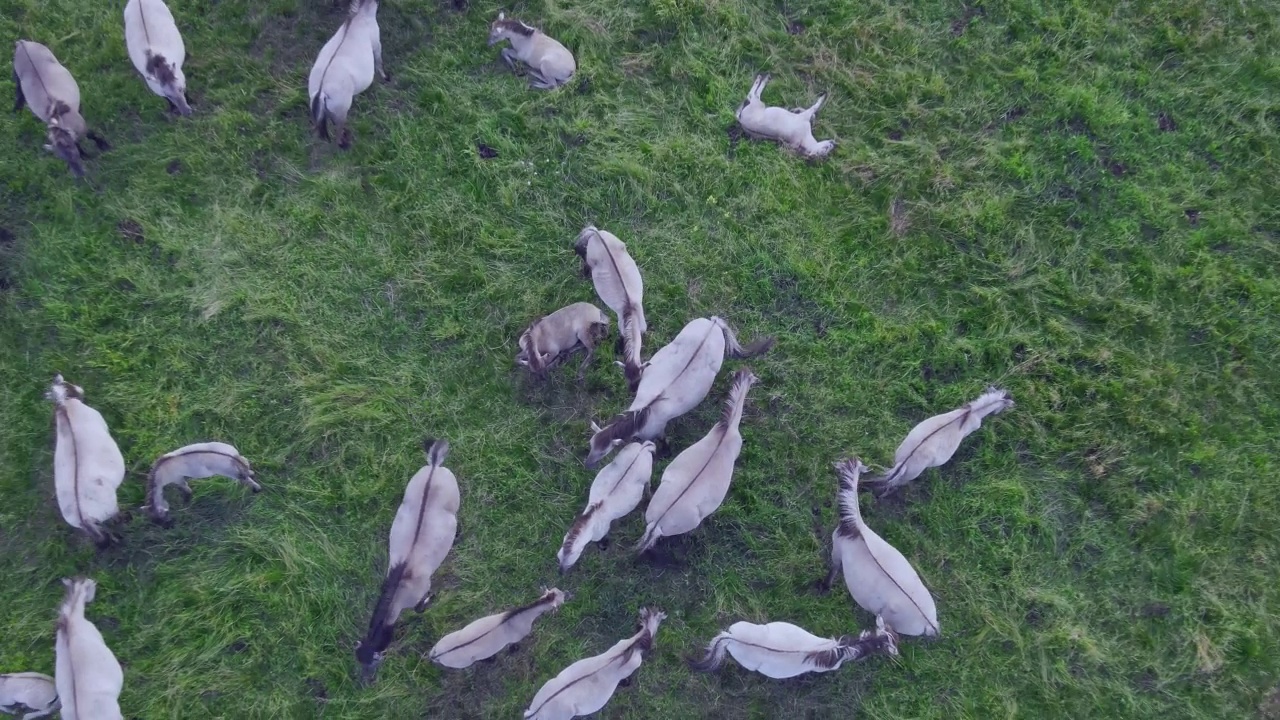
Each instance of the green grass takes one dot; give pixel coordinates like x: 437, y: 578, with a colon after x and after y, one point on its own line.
x: 1077, y: 200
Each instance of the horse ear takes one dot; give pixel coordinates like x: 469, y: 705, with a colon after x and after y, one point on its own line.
x: 594, y: 427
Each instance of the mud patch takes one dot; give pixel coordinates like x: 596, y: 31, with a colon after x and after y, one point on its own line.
x: 131, y: 230
x: 1270, y: 707
x: 1165, y: 122
x: 1154, y: 610
x: 962, y: 22
x: 672, y: 553
x: 317, y: 689
x: 899, y: 220
x: 736, y: 135
x: 6, y: 243
x: 289, y: 39
x: 485, y: 152
x: 174, y: 167
x: 795, y: 28
x: 1077, y: 125
x: 1036, y: 615
x: 802, y: 313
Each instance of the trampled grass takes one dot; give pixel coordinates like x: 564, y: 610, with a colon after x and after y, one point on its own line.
x: 1077, y: 200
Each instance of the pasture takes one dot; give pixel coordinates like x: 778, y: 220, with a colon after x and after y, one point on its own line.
x: 1074, y: 200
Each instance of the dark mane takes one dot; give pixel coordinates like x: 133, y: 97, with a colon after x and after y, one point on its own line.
x: 579, y: 525
x: 380, y: 630
x: 623, y: 427
x: 159, y: 67
x: 546, y: 599
x: 825, y: 659
x: 642, y: 644
x: 738, y: 387
x: 514, y: 26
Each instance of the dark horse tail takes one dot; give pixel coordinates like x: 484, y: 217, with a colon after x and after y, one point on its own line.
x: 320, y: 114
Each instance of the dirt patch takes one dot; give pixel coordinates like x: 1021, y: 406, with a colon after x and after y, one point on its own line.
x: 131, y: 230
x: 317, y: 689
x: 486, y: 152
x: 6, y: 243
x: 1077, y: 125
x: 1154, y: 610
x: 1036, y: 615
x: 458, y: 5
x: 288, y: 40
x: 736, y: 135
x: 962, y: 22
x: 946, y: 374
x: 1270, y: 707
x: 1011, y: 115
x: 801, y: 312
x: 899, y: 220
x: 795, y: 28
x: 1165, y: 122
x: 174, y: 167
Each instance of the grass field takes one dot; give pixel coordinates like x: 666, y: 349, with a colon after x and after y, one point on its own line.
x: 1075, y: 200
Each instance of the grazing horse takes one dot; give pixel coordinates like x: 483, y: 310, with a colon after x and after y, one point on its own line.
x: 345, y: 69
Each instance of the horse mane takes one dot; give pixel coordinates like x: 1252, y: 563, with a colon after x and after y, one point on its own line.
x: 159, y: 67
x: 579, y: 525
x: 515, y: 26
x: 547, y: 598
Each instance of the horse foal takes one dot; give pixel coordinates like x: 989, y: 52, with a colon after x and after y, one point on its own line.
x: 782, y: 650
x: 44, y: 85
x: 193, y: 462
x: 156, y: 49
x: 484, y: 638
x: 618, y: 283
x: 421, y: 536
x: 935, y: 440
x: 586, y: 686
x: 560, y: 333
x: 87, y: 675
x: 32, y: 693
x: 791, y: 129
x: 550, y: 63
x: 345, y: 69
x: 87, y: 464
